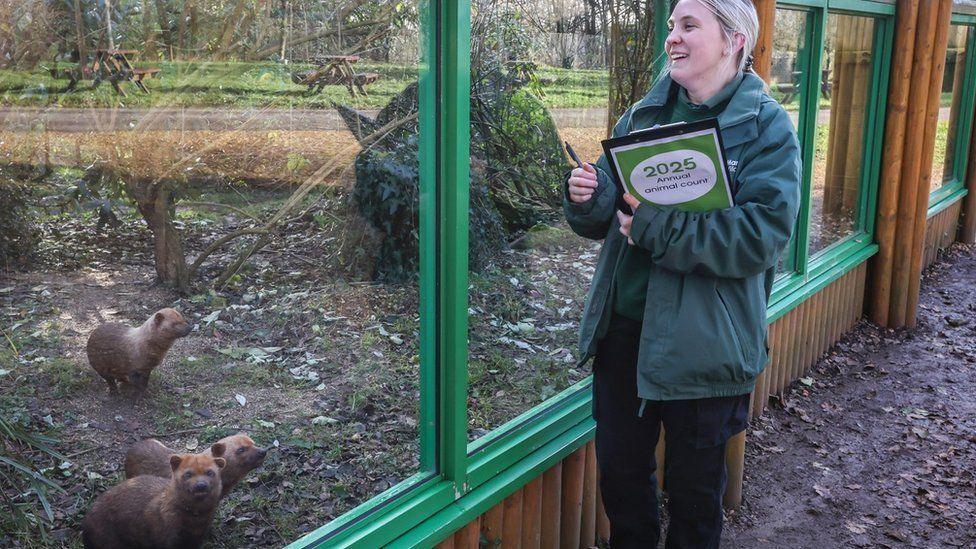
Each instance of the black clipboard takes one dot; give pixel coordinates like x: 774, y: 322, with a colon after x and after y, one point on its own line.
x: 658, y: 132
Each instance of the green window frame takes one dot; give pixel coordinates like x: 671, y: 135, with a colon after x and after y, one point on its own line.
x: 810, y: 273
x: 459, y: 480
x: 955, y: 189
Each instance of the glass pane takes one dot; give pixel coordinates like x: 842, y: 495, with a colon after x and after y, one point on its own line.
x: 788, y: 77
x: 950, y: 105
x: 537, y: 80
x: 226, y: 167
x: 839, y: 142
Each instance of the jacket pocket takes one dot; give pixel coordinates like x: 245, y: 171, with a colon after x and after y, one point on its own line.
x: 736, y: 328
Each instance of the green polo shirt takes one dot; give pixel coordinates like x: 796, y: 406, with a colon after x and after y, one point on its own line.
x: 630, y: 276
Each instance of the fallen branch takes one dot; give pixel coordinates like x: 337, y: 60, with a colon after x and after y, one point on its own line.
x: 192, y: 271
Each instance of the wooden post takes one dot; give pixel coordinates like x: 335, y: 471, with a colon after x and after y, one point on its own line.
x: 532, y: 514
x: 602, y: 520
x: 491, y: 525
x: 552, y: 486
x: 784, y: 354
x: 938, y: 57
x: 762, y: 55
x: 820, y: 308
x: 512, y: 521
x: 912, y: 164
x: 574, y: 468
x: 588, y: 526
x: 735, y: 456
x: 447, y: 543
x: 469, y: 536
x: 891, y: 166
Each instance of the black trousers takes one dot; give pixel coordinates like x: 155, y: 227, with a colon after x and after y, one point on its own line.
x: 695, y: 433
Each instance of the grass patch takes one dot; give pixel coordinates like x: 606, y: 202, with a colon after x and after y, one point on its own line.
x: 267, y: 84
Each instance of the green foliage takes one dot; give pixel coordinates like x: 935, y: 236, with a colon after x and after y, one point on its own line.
x: 18, y: 234
x: 24, y: 487
x: 524, y: 160
x: 516, y: 167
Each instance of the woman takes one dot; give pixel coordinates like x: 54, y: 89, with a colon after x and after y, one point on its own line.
x: 675, y: 315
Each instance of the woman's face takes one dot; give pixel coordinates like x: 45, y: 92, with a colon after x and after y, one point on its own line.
x: 697, y: 46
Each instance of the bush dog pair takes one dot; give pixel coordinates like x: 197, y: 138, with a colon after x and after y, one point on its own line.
x: 154, y: 512
x: 151, y: 457
x: 120, y: 353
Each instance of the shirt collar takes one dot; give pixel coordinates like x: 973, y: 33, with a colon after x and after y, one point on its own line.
x: 720, y: 97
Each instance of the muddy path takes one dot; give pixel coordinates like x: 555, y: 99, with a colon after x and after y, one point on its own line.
x: 876, y: 447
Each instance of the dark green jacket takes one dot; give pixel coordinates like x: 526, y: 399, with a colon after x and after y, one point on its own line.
x: 704, y: 328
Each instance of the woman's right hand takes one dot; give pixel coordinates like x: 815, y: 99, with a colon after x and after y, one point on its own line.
x: 582, y: 183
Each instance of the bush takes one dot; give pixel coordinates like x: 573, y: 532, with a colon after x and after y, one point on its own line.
x: 516, y: 169
x: 18, y: 235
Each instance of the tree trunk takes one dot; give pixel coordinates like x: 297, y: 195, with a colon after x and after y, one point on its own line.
x: 162, y: 17
x: 80, y: 34
x: 284, y: 29
x: 108, y: 19
x: 181, y: 42
x: 229, y: 29
x: 338, y: 23
x: 148, y: 34
x: 156, y: 202
x: 264, y: 17
x: 631, y: 55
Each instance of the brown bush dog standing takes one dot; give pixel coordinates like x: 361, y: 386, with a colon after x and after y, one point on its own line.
x: 120, y: 353
x: 155, y: 512
x: 151, y: 457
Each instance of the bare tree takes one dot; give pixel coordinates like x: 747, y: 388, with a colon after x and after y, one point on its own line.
x: 631, y: 54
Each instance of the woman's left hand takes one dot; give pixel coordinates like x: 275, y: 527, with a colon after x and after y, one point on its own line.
x: 627, y: 220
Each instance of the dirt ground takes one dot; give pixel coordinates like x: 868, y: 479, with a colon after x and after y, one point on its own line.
x: 880, y: 449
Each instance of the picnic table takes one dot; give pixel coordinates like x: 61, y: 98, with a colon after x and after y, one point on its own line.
x: 114, y: 66
x: 792, y: 88
x: 111, y: 65
x: 335, y: 70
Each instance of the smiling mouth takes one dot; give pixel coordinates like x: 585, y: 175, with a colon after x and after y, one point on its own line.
x: 678, y: 57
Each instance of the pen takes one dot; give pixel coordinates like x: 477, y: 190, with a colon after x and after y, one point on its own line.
x: 572, y: 154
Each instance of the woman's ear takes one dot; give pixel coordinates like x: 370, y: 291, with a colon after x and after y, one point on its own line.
x: 739, y: 42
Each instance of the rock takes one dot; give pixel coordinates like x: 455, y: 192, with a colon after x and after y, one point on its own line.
x: 956, y: 321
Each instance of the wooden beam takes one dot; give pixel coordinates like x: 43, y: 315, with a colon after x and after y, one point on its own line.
x: 532, y: 514
x: 763, y: 53
x: 938, y: 58
x: 912, y: 164
x: 552, y: 486
x: 891, y: 166
x: 588, y: 526
x: 491, y: 525
x: 574, y: 468
x: 512, y: 521
x: 735, y: 455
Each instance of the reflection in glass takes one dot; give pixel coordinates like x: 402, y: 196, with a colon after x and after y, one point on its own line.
x: 537, y: 79
x: 839, y: 141
x: 950, y: 105
x: 786, y: 83
x: 201, y: 165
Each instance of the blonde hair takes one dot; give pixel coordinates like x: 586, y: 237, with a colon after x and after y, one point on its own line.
x: 733, y: 16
